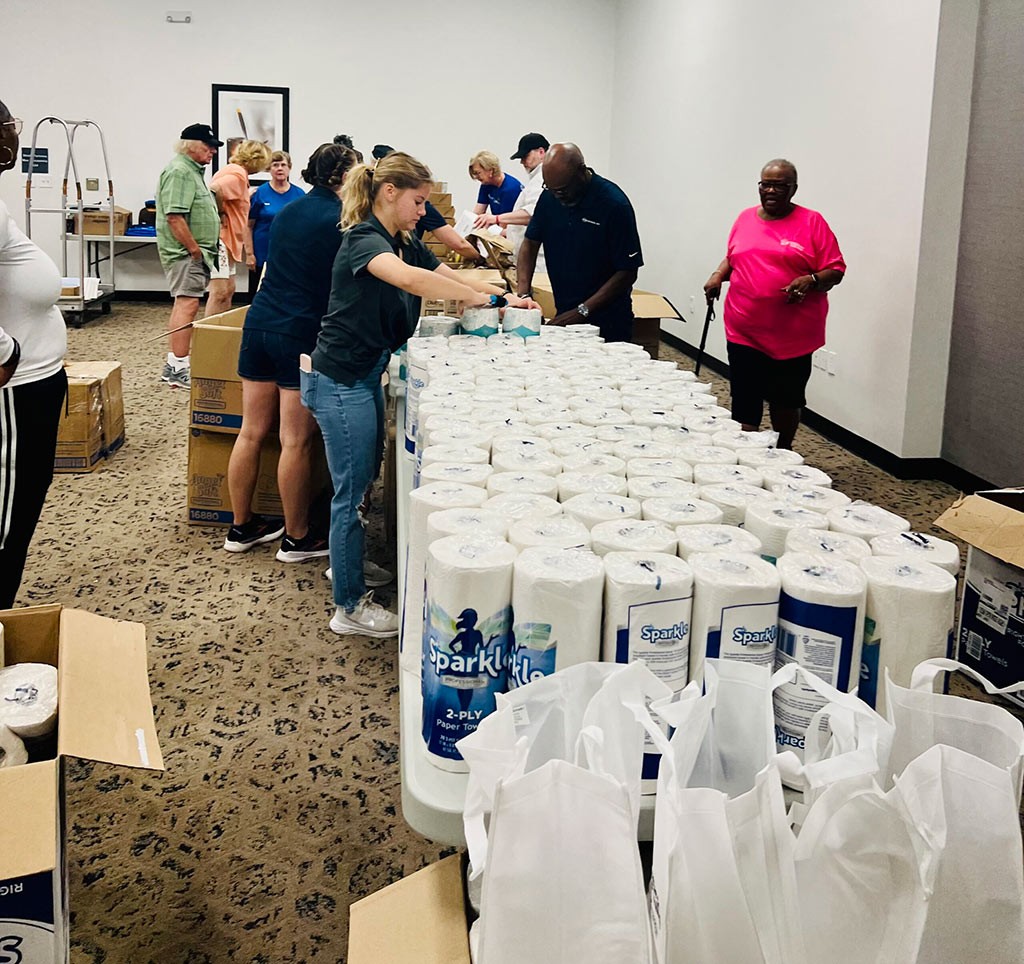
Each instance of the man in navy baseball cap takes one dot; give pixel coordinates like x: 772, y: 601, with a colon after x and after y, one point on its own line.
x: 528, y: 143
x: 201, y: 132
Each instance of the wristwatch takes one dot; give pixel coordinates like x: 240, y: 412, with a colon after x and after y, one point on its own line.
x: 498, y: 301
x: 583, y: 311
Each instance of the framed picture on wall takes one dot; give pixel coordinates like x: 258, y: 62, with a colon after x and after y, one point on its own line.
x: 241, y: 112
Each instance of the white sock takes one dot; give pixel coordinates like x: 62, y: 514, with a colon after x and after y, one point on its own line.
x: 175, y: 362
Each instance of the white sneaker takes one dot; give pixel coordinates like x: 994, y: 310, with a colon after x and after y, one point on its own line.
x: 328, y: 574
x: 367, y: 619
x: 373, y: 575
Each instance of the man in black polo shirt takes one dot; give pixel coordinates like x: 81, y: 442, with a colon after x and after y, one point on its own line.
x: 588, y: 230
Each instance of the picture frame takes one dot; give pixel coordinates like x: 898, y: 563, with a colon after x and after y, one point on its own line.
x: 243, y: 111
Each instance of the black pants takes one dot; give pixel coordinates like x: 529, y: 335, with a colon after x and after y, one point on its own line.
x: 29, y: 416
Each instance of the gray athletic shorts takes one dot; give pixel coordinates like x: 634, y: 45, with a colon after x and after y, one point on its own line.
x: 187, y: 278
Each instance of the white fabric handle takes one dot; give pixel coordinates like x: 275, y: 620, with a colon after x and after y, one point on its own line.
x: 925, y: 673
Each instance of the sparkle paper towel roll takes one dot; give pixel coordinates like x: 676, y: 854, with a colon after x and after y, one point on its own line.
x: 596, y: 417
x: 714, y: 538
x: 480, y: 321
x: 466, y: 639
x: 466, y: 473
x: 633, y: 535
x: 593, y: 462
x: 542, y: 402
x: 648, y: 600
x: 677, y: 435
x: 711, y: 424
x: 910, y: 612
x: 434, y: 325
x: 466, y: 454
x: 466, y: 522
x: 735, y: 609
x: 557, y: 599
x: 719, y: 474
x: 28, y: 699
x: 524, y: 505
x: 571, y: 484
x: 697, y: 453
x: 768, y: 456
x: 653, y: 418
x: 590, y: 508
x: 821, y: 628
x: 681, y: 512
x: 518, y: 442
x: 639, y: 448
x: 559, y: 428
x: 866, y: 520
x: 477, y: 438
x: 616, y: 433
x: 596, y: 398
x: 580, y: 445
x: 839, y: 545
x: 14, y: 754
x: 659, y: 487
x: 919, y: 547
x: 556, y: 532
x: 739, y: 439
x: 771, y: 521
x: 797, y: 474
x: 814, y: 497
x: 733, y: 498
x: 675, y: 468
x: 536, y: 483
x: 522, y: 321
x: 532, y: 461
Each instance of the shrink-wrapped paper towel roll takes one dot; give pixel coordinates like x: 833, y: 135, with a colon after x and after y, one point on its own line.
x: 593, y: 462
x: 768, y: 456
x: 821, y: 628
x: 590, y: 508
x: 28, y: 699
x: 466, y: 454
x: 538, y: 418
x: 558, y: 532
x: 524, y: 505
x: 522, y: 321
x: 423, y: 502
x: 542, y: 401
x: 477, y: 438
x: 466, y: 522
x: 616, y: 433
x: 866, y: 520
x: 673, y: 468
x: 677, y: 435
x: 681, y: 512
x: 633, y: 535
x: 714, y: 538
x: 696, y: 453
x: 771, y: 521
x: 648, y: 599
x: 437, y: 325
x: 559, y: 428
x: 733, y: 498
x: 919, y: 547
x: 532, y: 461
x: 910, y: 612
x: 480, y: 321
x: 557, y: 599
x: 839, y: 545
x: 583, y: 331
x: 655, y: 417
x: 579, y: 445
x: 466, y: 473
x: 596, y: 398
x: 739, y: 439
x: 571, y: 484
x: 639, y: 448
x: 814, y: 497
x: 596, y: 417
x: 536, y: 483
x: 711, y: 424
x: 712, y: 473
x: 517, y: 442
x: 466, y: 639
x: 735, y: 609
x: 797, y: 474
x: 659, y: 487
x: 14, y: 754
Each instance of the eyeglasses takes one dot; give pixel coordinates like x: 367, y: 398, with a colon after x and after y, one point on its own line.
x: 16, y: 123
x: 774, y: 186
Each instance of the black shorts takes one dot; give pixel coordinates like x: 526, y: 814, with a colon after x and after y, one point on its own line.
x: 269, y: 356
x: 758, y: 378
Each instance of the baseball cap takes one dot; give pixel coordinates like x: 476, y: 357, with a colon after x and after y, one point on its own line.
x: 201, y: 132
x: 530, y: 142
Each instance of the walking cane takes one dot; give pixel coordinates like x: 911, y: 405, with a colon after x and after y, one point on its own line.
x: 708, y: 318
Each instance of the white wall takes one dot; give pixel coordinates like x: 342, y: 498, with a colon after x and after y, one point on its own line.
x: 873, y: 110
x: 421, y: 76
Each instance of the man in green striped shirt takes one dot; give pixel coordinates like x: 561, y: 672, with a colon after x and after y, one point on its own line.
x: 187, y: 228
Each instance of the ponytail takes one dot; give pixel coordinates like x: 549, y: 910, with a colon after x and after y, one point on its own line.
x: 357, y: 196
x: 363, y: 183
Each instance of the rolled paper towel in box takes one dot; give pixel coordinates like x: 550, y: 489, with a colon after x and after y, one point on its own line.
x: 648, y: 600
x: 814, y: 497
x: 524, y: 505
x: 733, y: 497
x: 659, y: 487
x: 838, y: 545
x: 557, y: 599
x: 466, y: 522
x: 480, y: 321
x: 677, y: 435
x: 466, y: 639
x: 580, y: 445
x: 910, y: 614
x: 711, y: 424
x: 674, y: 468
x: 424, y: 501
x: 714, y: 538
x: 571, y: 484
x: 556, y: 532
x: 616, y: 433
x: 797, y: 474
x: 28, y: 699
x: 821, y: 628
x: 715, y: 473
x: 466, y: 454
x: 437, y: 325
x: 919, y: 547
x: 735, y: 609
x: 696, y: 453
x: 536, y: 483
x: 681, y: 512
x: 640, y: 448
x: 632, y: 535
x: 517, y: 442
x: 768, y: 456
x: 738, y: 439
x: 866, y: 520
x: 466, y: 473
x: 771, y: 521
x: 590, y: 508
x: 518, y: 460
x: 14, y: 754
x: 596, y: 417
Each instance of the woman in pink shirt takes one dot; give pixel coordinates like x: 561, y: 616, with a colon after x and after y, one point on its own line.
x: 780, y: 262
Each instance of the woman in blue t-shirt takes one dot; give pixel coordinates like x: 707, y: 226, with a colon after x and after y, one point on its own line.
x: 265, y: 204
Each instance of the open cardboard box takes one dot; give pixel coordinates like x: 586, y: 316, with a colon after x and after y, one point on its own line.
x: 105, y: 714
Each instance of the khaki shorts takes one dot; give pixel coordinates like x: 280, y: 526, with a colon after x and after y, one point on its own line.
x: 224, y: 267
x: 187, y: 278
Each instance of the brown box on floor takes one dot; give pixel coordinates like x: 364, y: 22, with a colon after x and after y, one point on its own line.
x: 105, y: 713
x: 216, y: 395
x: 97, y: 222
x: 92, y: 423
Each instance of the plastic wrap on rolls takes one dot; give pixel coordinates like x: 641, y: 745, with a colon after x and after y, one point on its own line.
x: 616, y: 433
x: 476, y: 438
x: 437, y: 325
x: 524, y: 505
x: 771, y: 521
x: 594, y: 462
x: 910, y: 613
x: 596, y: 417
x: 767, y: 456
x: 733, y: 497
x: 659, y: 487
x: 466, y: 473
x: 814, y: 497
x: 466, y: 454
x: 466, y: 522
x: 518, y: 460
x: 28, y: 699
x: 697, y: 453
x: 639, y: 448
x: 480, y: 321
x: 653, y: 418
x: 677, y: 435
x: 681, y: 512
x: 919, y: 547
x: 632, y: 535
x: 866, y: 520
x: 557, y: 599
x: 579, y: 445
x: 557, y: 532
x: 739, y: 439
x: 675, y: 468
x: 525, y: 322
x: 596, y: 398
x: 517, y: 442
x: 839, y: 545
x: 542, y: 402
x: 711, y: 424
x: 538, y: 418
x: 718, y: 474
x: 572, y: 484
x: 590, y: 508
x: 648, y: 600
x: 561, y: 428
x: 536, y: 483
x: 14, y: 754
x: 714, y: 538
x: 466, y: 639
x: 797, y: 474
x: 821, y: 628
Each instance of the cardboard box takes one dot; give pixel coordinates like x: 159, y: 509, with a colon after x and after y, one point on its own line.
x: 990, y: 634
x: 111, y: 398
x: 98, y: 222
x: 440, y: 199
x: 216, y: 386
x: 105, y: 714
x: 420, y: 919
x: 92, y: 423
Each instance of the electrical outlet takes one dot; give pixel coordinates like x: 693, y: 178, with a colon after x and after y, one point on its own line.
x: 818, y: 359
x: 693, y: 303
x: 42, y: 180
x: 178, y: 16
x: 92, y: 183
x: 831, y: 362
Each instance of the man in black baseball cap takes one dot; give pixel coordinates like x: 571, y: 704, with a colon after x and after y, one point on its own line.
x: 528, y: 143
x: 201, y: 132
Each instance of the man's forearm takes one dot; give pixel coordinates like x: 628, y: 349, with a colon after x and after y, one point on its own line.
x: 179, y: 228
x: 526, y: 266
x: 519, y: 216
x: 613, y: 288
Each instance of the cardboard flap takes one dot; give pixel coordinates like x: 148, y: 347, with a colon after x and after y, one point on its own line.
x: 106, y: 713
x: 28, y: 828
x: 420, y: 918
x: 987, y: 525
x: 647, y: 304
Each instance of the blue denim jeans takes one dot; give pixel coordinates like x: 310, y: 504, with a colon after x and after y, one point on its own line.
x: 351, y: 419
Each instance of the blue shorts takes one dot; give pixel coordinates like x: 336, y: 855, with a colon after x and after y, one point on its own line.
x: 269, y: 356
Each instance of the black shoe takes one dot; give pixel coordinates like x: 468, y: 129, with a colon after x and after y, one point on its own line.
x: 299, y: 550
x: 257, y: 530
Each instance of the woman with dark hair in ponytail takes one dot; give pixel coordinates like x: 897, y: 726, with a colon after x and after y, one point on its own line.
x: 281, y: 325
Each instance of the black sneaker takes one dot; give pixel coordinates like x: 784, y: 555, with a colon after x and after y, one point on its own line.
x: 299, y: 550
x: 252, y: 533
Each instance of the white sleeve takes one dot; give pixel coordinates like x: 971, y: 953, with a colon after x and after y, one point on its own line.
x: 6, y: 341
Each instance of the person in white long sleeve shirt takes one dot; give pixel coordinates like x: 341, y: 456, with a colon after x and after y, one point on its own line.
x: 33, y: 384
